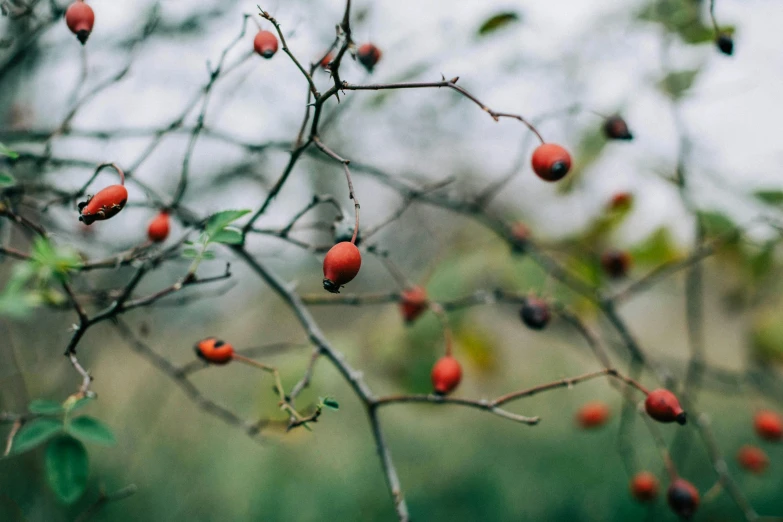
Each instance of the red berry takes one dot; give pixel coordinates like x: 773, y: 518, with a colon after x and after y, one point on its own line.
x: 535, y: 313
x: 413, y: 303
x: 683, y: 498
x: 214, y: 351
x: 368, y: 55
x: 265, y: 44
x: 159, y: 227
x: 769, y: 425
x: 644, y: 486
x: 615, y: 128
x: 446, y: 375
x: 616, y: 263
x: 663, y: 406
x: 621, y: 201
x: 326, y: 61
x: 341, y: 265
x: 80, y: 19
x: 753, y: 459
x: 521, y: 234
x: 105, y: 204
x: 593, y: 415
x: 551, y: 162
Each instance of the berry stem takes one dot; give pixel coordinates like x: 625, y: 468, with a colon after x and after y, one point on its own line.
x: 284, y: 405
x: 440, y: 313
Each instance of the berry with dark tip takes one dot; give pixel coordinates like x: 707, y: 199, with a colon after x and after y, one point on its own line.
x: 521, y: 235
x: 725, y: 44
x: 535, y: 313
x: 615, y: 128
x: 663, y: 406
x: 446, y: 375
x: 683, y: 498
x: 368, y: 55
x: 265, y: 44
x: 341, y: 265
x: 551, y: 162
x: 105, y: 204
x: 214, y: 351
x: 80, y: 18
x: 616, y: 263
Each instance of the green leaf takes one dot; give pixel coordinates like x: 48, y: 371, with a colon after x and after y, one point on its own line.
x: 229, y: 236
x: 221, y: 220
x: 771, y: 197
x: 677, y: 83
x: 208, y: 254
x: 716, y: 223
x: 91, y: 429
x: 5, y: 151
x: 331, y: 403
x: 74, y: 403
x: 656, y: 249
x: 6, y: 179
x: 67, y: 468
x: 45, y: 407
x: 190, y: 253
x: 498, y: 21
x: 34, y: 433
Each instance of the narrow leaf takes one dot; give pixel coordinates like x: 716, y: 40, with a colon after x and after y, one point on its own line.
x: 67, y: 468
x: 771, y: 197
x: 498, y: 21
x: 221, y: 220
x: 6, y: 179
x: 5, y: 151
x: 331, y: 403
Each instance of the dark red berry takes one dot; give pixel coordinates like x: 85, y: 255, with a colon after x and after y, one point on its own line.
x: 341, y: 265
x: 769, y: 425
x: 446, y: 375
x: 663, y: 406
x: 616, y: 263
x: 214, y: 351
x: 644, y: 486
x: 683, y: 498
x: 620, y: 201
x: 158, y: 229
x: 535, y: 313
x: 80, y: 18
x: 551, y: 162
x: 413, y: 303
x: 105, y: 204
x: 521, y: 235
x: 326, y: 61
x: 725, y: 44
x: 593, y: 415
x: 615, y: 128
x: 368, y: 56
x: 265, y: 44
x: 753, y: 459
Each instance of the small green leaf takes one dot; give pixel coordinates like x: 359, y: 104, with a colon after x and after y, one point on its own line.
x: 91, y: 429
x: 208, y: 254
x: 677, y: 83
x: 45, y: 407
x: 74, y: 403
x: 5, y: 151
x: 34, y: 433
x: 190, y: 253
x: 229, y: 236
x: 331, y: 403
x: 66, y: 468
x: 716, y: 223
x: 6, y: 179
x: 221, y: 220
x: 771, y: 197
x: 498, y: 21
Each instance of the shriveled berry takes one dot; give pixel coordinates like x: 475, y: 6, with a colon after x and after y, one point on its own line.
x: 535, y: 313
x: 413, y: 303
x: 644, y: 486
x: 768, y: 425
x: 616, y: 263
x: 663, y: 406
x: 683, y: 498
x: 446, y: 375
x: 265, y: 44
x: 551, y: 162
x: 753, y: 459
x: 593, y: 415
x: 214, y: 351
x: 105, y: 204
x: 80, y: 18
x: 368, y: 55
x: 158, y: 229
x: 615, y: 128
x: 725, y: 44
x: 341, y: 265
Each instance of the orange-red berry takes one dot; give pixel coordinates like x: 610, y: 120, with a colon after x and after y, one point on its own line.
x: 752, y: 458
x: 159, y: 227
x: 341, y: 265
x: 326, y: 61
x: 663, y: 406
x: 644, y: 486
x: 593, y: 415
x: 535, y: 313
x: 80, y: 19
x: 621, y: 201
x: 551, y: 162
x: 413, y: 303
x: 368, y: 55
x: 769, y: 425
x: 265, y: 44
x: 105, y: 204
x: 616, y: 263
x: 615, y: 128
x: 446, y: 375
x: 683, y: 498
x: 214, y: 351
